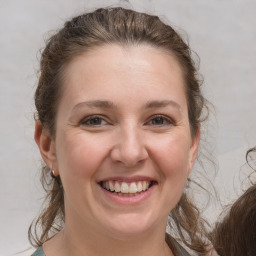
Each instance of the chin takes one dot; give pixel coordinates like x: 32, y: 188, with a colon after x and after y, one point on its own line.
x: 130, y: 226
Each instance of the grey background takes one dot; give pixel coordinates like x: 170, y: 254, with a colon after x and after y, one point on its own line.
x: 223, y: 33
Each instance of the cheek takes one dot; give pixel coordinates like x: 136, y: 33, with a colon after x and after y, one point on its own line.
x: 80, y: 155
x: 173, y: 164
x: 172, y: 157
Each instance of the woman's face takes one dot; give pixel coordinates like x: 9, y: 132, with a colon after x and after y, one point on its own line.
x: 123, y: 147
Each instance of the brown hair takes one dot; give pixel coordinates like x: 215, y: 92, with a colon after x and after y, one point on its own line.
x: 123, y: 27
x: 236, y: 234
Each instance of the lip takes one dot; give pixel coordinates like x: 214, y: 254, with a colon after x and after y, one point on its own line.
x: 131, y: 200
x: 128, y: 179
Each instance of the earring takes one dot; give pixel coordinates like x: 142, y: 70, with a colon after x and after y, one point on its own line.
x: 53, y: 173
x: 186, y: 186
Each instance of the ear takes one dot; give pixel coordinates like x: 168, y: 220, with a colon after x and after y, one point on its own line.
x: 193, y: 150
x: 46, y: 145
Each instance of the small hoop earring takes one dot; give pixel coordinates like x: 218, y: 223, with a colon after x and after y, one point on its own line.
x: 53, y: 173
x: 186, y: 186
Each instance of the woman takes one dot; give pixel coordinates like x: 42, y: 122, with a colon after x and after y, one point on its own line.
x: 119, y: 111
x: 236, y: 234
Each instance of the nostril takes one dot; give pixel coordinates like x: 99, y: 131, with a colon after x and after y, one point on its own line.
x: 130, y: 151
x: 128, y: 161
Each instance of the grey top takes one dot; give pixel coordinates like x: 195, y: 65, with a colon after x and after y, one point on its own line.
x: 39, y: 252
x: 179, y: 250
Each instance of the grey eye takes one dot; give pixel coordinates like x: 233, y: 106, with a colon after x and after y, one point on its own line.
x: 93, y: 121
x: 158, y: 120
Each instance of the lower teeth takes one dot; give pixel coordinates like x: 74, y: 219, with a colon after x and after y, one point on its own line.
x: 128, y: 194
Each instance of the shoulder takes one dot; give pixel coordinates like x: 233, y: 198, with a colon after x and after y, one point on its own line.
x: 175, y: 246
x: 38, y: 252
x: 180, y: 250
x: 27, y: 252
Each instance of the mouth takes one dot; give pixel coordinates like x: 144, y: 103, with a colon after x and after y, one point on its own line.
x: 127, y: 189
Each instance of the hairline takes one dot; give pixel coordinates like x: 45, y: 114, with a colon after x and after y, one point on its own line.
x: 123, y: 44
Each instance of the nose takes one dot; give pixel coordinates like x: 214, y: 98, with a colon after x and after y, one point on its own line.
x: 129, y: 148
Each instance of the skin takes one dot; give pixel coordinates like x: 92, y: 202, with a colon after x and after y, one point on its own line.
x: 123, y: 114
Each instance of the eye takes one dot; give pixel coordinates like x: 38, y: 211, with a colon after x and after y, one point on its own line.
x: 93, y: 121
x: 160, y: 120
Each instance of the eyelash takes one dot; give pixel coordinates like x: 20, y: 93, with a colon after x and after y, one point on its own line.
x: 166, y: 121
x: 91, y: 118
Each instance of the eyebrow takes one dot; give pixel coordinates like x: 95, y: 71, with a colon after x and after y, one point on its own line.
x: 163, y: 103
x: 110, y: 105
x: 95, y: 104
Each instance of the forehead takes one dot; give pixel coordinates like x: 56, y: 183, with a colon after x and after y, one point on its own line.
x: 141, y: 69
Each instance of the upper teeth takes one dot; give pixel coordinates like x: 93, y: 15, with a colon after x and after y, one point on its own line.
x: 124, y: 187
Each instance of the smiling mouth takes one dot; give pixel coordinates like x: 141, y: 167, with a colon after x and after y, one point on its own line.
x: 126, y: 189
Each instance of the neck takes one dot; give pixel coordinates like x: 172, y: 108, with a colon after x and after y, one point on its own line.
x: 80, y: 241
